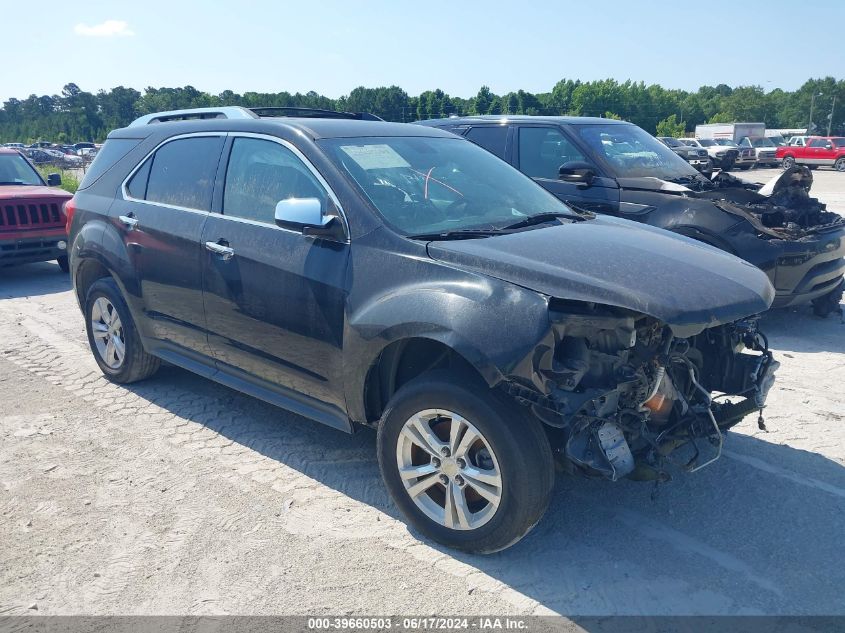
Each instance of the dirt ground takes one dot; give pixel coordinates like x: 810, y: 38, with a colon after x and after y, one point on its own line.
x: 179, y: 496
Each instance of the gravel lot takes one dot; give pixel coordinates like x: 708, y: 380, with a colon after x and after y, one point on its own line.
x: 179, y: 496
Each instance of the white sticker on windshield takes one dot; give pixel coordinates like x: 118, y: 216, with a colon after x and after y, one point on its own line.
x: 374, y: 156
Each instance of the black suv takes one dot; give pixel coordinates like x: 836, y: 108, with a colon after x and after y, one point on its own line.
x: 617, y: 168
x: 371, y: 274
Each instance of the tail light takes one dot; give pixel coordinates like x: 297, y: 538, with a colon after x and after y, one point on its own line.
x: 70, y: 209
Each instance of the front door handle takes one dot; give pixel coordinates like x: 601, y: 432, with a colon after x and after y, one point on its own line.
x: 226, y: 252
x: 128, y: 221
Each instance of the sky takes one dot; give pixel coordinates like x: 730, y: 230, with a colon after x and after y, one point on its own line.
x: 332, y: 47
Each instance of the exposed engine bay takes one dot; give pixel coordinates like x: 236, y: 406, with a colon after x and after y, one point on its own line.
x: 624, y: 394
x: 782, y: 208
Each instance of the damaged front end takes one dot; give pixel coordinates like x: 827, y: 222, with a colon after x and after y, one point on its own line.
x: 623, y: 394
x: 782, y: 208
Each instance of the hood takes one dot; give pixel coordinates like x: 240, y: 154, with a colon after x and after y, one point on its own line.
x: 687, y: 285
x: 14, y: 192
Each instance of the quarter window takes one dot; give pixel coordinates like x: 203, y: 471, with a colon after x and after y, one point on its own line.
x: 182, y: 172
x: 260, y: 174
x: 137, y: 186
x: 542, y: 150
x: 491, y: 137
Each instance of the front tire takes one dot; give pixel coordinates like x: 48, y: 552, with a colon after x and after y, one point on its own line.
x: 839, y: 165
x: 467, y: 467
x: 113, y: 337
x: 829, y: 303
x: 788, y: 161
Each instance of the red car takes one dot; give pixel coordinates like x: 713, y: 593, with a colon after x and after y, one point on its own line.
x: 819, y: 150
x: 32, y: 217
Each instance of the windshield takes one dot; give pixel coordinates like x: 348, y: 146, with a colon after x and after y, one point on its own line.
x: 429, y: 185
x: 671, y: 142
x: 14, y: 170
x: 706, y: 142
x: 725, y: 142
x: 760, y: 141
x: 630, y: 152
x: 777, y: 139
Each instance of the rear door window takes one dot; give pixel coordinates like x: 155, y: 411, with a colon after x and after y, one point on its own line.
x: 490, y: 137
x: 182, y: 172
x: 542, y: 150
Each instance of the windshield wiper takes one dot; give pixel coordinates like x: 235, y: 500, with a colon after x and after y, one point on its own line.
x: 540, y: 218
x: 14, y: 182
x: 457, y: 234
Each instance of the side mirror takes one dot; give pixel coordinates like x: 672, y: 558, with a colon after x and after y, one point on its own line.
x: 54, y: 180
x: 577, y: 171
x: 306, y: 215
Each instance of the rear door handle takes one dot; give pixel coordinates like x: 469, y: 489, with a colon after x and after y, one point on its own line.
x: 128, y: 221
x: 226, y: 252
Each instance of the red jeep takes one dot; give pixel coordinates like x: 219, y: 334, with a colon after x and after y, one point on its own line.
x: 32, y: 217
x: 819, y: 150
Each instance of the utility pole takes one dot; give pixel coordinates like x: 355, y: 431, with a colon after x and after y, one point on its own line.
x: 830, y: 116
x: 812, y: 102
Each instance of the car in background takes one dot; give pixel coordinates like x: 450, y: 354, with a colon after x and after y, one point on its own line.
x: 827, y: 151
x: 721, y: 156
x: 616, y: 168
x: 765, y: 150
x: 797, y: 141
x: 32, y: 217
x: 695, y: 156
x: 746, y: 156
x: 53, y: 157
x: 776, y: 137
x: 395, y: 277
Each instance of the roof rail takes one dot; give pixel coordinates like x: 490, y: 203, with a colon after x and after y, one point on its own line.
x: 312, y: 113
x: 227, y: 112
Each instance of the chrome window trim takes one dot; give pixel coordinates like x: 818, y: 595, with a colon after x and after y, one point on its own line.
x: 124, y: 191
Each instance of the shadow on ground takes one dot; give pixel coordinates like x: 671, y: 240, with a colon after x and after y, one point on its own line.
x: 760, y: 531
x: 29, y: 280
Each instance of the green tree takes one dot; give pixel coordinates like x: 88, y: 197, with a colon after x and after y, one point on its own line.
x: 670, y: 126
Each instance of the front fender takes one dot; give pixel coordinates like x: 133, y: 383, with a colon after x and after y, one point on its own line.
x: 494, y: 325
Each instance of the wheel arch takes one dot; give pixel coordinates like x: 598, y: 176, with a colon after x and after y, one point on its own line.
x: 404, y: 359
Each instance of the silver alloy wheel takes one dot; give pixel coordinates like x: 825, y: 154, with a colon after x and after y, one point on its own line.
x: 449, y: 469
x: 788, y: 162
x: 839, y: 165
x: 108, y: 333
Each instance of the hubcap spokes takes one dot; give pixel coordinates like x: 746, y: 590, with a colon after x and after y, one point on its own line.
x: 449, y: 470
x: 108, y: 333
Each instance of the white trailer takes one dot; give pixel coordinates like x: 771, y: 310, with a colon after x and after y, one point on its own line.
x: 733, y: 131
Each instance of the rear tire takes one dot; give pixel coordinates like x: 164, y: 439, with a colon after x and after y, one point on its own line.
x: 839, y: 165
x: 113, y: 337
x: 486, y: 468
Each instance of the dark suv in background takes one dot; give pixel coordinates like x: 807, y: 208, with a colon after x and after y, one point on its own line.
x: 371, y: 274
x: 616, y: 168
